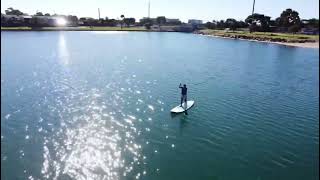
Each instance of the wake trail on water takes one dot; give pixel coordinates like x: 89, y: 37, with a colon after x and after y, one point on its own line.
x: 66, y: 84
x: 205, y: 81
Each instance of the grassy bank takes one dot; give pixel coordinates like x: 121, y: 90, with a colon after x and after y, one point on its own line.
x: 15, y: 28
x: 262, y: 36
x: 80, y: 28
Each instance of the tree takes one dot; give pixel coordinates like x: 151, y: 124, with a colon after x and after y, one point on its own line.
x: 210, y: 25
x: 147, y: 22
x: 161, y: 20
x: 126, y: 21
x: 11, y: 11
x: 273, y: 23
x: 144, y: 21
x: 39, y: 14
x: 132, y: 21
x: 148, y: 26
x: 3, y: 20
x: 312, y: 23
x: 34, y: 22
x: 72, y: 20
x: 258, y: 22
x: 288, y: 18
x: 242, y: 24
x: 111, y: 22
x: 294, y: 28
x: 47, y: 14
x: 86, y: 21
x: 231, y: 23
x: 122, y: 17
x: 221, y: 24
x: 129, y: 21
x: 90, y: 22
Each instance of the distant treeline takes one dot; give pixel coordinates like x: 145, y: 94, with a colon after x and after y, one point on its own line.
x: 14, y: 17
x: 289, y: 21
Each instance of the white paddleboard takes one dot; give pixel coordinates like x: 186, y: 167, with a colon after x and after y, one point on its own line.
x: 185, y: 106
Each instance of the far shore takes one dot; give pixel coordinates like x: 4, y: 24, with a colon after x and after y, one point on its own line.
x: 303, y: 41
x: 296, y: 40
x: 314, y: 45
x: 93, y: 28
x: 80, y: 28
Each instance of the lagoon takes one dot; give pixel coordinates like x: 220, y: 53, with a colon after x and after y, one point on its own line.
x: 95, y: 105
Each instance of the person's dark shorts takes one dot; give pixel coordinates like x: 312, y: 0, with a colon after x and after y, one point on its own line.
x: 184, y: 97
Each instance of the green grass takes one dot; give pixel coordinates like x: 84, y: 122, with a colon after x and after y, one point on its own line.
x: 96, y: 28
x: 15, y: 28
x: 262, y: 35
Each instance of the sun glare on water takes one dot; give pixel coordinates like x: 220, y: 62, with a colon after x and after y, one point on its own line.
x: 61, y: 22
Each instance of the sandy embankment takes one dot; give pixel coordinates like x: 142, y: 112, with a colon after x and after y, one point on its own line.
x: 313, y: 45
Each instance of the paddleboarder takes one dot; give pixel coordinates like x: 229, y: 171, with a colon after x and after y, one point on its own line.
x: 183, y: 93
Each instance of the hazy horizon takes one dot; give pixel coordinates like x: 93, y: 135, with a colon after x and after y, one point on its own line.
x: 206, y: 10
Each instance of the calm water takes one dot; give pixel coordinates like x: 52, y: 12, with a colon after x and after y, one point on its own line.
x: 95, y: 105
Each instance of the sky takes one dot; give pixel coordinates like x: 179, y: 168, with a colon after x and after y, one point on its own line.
x: 206, y: 10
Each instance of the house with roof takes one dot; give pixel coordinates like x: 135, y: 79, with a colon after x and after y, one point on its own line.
x: 11, y: 20
x: 173, y: 21
x: 195, y: 21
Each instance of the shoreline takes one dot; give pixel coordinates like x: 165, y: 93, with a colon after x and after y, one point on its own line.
x: 72, y: 29
x: 94, y: 28
x: 306, y: 44
x: 313, y: 45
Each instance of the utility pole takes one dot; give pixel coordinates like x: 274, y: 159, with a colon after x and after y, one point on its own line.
x: 99, y: 13
x: 149, y: 9
x: 254, y: 2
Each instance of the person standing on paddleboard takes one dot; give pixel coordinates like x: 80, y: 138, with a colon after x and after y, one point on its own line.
x: 183, y: 93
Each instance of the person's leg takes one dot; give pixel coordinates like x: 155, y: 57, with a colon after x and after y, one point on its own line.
x: 184, y: 99
x: 181, y: 101
x: 186, y: 106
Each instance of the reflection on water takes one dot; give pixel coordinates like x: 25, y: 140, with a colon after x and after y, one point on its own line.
x: 96, y: 137
x: 95, y: 140
x: 63, y: 50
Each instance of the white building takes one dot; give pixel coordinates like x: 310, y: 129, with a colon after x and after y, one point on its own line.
x: 194, y: 21
x: 153, y: 20
x: 172, y: 21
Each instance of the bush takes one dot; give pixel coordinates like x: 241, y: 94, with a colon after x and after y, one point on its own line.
x: 148, y: 26
x: 294, y: 28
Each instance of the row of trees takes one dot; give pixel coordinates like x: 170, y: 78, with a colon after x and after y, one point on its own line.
x: 289, y: 20
x: 107, y: 22
x: 127, y: 21
x: 160, y: 20
x: 11, y: 11
x: 37, y: 20
x: 229, y: 23
x: 73, y: 20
